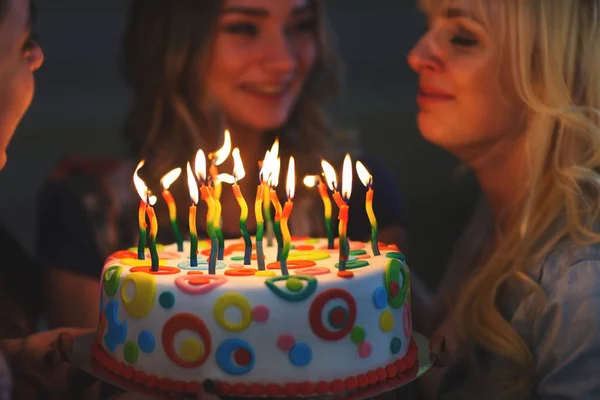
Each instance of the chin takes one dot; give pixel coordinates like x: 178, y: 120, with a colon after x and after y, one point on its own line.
x: 267, y: 122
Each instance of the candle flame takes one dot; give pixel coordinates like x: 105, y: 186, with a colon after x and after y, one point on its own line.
x: 192, y: 185
x: 330, y: 176
x: 152, y: 200
x: 347, y: 177
x: 291, y: 179
x: 139, y: 183
x: 275, y: 148
x: 170, y: 177
x: 200, y: 166
x: 275, y: 171
x: 221, y: 155
x: 310, y: 180
x: 265, y: 170
x: 363, y: 174
x: 238, y: 167
x: 227, y: 178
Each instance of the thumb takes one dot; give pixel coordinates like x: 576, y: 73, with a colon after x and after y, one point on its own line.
x: 67, y: 337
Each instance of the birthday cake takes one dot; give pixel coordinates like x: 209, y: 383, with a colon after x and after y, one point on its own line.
x: 257, y: 332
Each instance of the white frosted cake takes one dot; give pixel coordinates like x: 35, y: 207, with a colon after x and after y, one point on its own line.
x: 257, y: 333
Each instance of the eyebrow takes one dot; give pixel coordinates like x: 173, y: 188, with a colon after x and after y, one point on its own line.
x: 261, y: 12
x: 452, y: 13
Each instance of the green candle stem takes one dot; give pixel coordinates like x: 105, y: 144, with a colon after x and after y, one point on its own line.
x: 142, y: 244
x: 278, y: 238
x: 375, y: 240
x: 177, y: 233
x: 247, y: 242
x: 214, y: 248
x: 153, y: 253
x: 330, y: 237
x: 193, y: 250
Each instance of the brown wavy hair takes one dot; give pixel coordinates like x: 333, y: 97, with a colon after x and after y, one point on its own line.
x: 165, y: 56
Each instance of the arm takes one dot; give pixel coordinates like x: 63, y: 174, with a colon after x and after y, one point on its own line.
x: 567, y: 336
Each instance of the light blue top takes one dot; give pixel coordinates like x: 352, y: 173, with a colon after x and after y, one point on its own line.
x: 562, y: 331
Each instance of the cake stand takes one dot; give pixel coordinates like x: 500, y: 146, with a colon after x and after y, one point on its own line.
x: 81, y: 357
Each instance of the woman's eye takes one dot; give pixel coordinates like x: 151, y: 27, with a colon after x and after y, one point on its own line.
x: 307, y: 25
x: 245, y: 29
x: 463, y: 41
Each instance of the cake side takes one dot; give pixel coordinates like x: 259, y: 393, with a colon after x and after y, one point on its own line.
x: 184, y: 325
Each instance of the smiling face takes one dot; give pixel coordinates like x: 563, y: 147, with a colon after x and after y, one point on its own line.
x: 20, y: 56
x: 263, y: 53
x: 465, y: 99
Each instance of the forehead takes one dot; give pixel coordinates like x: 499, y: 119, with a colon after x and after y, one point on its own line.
x: 282, y: 6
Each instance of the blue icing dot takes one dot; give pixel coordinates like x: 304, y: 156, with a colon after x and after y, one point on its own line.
x: 146, y: 341
x: 202, y: 265
x: 300, y: 355
x: 116, y: 332
x: 380, y: 297
x: 166, y: 300
x: 225, y: 357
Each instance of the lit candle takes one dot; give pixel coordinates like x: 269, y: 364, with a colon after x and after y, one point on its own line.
x: 287, y: 210
x: 142, y: 190
x: 367, y: 180
x: 153, y: 231
x: 166, y: 182
x: 217, y: 158
x: 200, y: 169
x: 331, y: 179
x: 260, y: 227
x: 193, y: 188
x: 272, y: 154
x: 239, y: 173
x: 146, y: 203
x: 311, y: 181
x: 273, y: 182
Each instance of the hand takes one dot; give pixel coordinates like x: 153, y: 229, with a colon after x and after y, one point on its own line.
x: 438, y: 351
x: 41, y: 369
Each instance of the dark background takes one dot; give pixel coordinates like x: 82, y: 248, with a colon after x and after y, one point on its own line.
x: 80, y: 103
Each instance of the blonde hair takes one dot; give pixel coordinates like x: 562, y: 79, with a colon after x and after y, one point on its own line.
x: 555, y: 71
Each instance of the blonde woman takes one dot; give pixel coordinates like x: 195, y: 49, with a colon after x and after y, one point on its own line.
x: 512, y: 88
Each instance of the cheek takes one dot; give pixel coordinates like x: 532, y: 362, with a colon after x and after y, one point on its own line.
x: 16, y: 93
x: 227, y: 66
x: 306, y: 53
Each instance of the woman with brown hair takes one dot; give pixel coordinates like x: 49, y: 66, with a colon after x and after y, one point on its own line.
x: 261, y: 69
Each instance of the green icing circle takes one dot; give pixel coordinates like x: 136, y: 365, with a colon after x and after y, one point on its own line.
x: 166, y: 300
x: 237, y: 258
x: 358, y: 252
x: 294, y: 284
x: 131, y: 352
x: 396, y: 254
x: 393, y: 270
x: 357, y: 335
x: 354, y: 264
x: 309, y: 289
x: 395, y: 345
x: 111, y: 279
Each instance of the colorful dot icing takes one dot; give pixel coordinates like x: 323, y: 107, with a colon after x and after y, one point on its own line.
x: 380, y: 298
x: 293, y: 284
x: 235, y: 357
x: 286, y: 342
x: 146, y: 342
x: 166, y: 300
x: 357, y: 252
x: 111, y: 279
x: 357, y: 335
x: 300, y: 355
x: 131, y: 352
x: 386, y: 321
x: 191, y: 350
x: 265, y: 274
x: 309, y: 288
x: 182, y: 283
x: 312, y: 241
x: 159, y: 247
x: 309, y: 255
x: 354, y: 264
x: 202, y: 265
x: 144, y: 286
x: 292, y: 264
x: 395, y: 345
x: 162, y: 270
x: 365, y: 349
x: 260, y: 314
x: 241, y: 272
x: 313, y: 271
x: 393, y: 272
x: 134, y: 262
x: 182, y: 322
x: 316, y: 314
x: 338, y: 317
x: 233, y: 300
x: 116, y: 331
x: 397, y: 255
